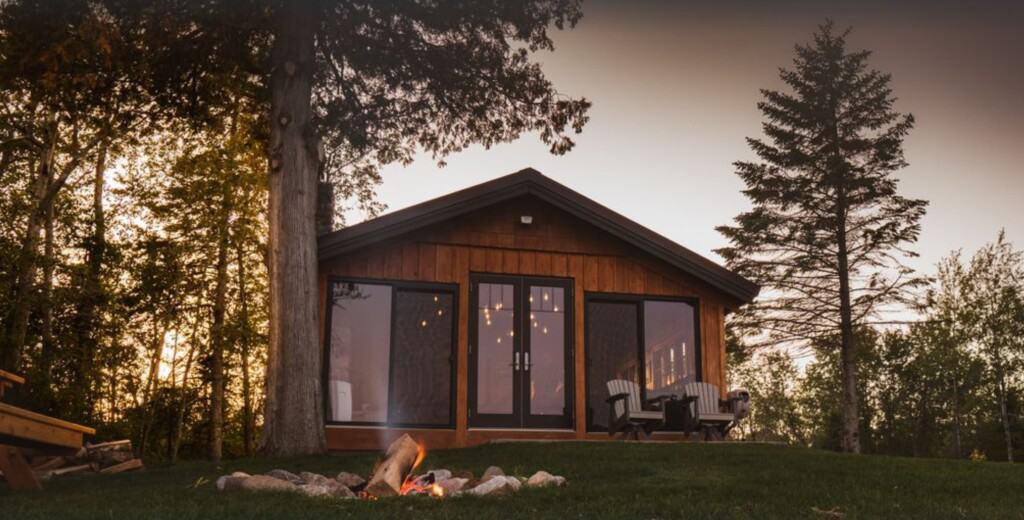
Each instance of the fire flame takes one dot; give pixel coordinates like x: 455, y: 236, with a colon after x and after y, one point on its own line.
x: 423, y: 484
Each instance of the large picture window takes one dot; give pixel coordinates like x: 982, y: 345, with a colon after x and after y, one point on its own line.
x: 652, y: 342
x: 390, y: 353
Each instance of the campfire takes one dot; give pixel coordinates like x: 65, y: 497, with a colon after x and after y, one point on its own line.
x: 394, y: 475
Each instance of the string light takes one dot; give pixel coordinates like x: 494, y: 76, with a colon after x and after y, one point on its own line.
x: 440, y: 312
x: 545, y: 330
x: 423, y: 323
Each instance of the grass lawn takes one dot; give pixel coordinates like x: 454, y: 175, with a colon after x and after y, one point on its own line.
x: 606, y: 480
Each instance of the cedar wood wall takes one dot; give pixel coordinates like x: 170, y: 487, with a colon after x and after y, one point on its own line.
x: 492, y: 240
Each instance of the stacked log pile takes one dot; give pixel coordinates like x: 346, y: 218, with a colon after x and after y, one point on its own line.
x: 105, y: 458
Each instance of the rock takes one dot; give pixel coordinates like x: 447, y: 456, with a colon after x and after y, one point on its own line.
x: 328, y: 488
x: 313, y: 478
x: 452, y: 486
x: 463, y: 473
x: 266, y: 483
x: 228, y: 482
x: 240, y: 474
x: 440, y: 474
x: 285, y: 475
x: 491, y: 472
x: 350, y: 480
x: 497, y: 485
x: 545, y: 479
x: 559, y: 481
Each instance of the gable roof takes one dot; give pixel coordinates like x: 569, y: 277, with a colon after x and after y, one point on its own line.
x: 532, y: 182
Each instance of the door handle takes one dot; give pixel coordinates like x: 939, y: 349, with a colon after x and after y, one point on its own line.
x: 515, y: 362
x: 526, y: 362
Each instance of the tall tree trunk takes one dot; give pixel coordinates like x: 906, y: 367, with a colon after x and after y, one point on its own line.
x: 217, y: 336
x: 957, y: 449
x: 85, y: 316
x: 248, y: 423
x: 294, y: 422
x: 24, y: 281
x: 152, y: 380
x: 848, y: 348
x: 1005, y: 416
x: 179, y: 420
x: 46, y: 300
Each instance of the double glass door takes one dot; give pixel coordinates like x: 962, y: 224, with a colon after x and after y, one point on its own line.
x: 520, y: 352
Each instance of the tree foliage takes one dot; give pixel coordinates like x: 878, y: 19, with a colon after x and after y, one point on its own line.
x: 827, y: 232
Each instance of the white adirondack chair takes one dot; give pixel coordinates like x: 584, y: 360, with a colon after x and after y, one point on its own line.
x: 626, y: 412
x: 713, y: 416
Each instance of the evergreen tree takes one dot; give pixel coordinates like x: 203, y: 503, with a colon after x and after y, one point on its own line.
x: 828, y: 232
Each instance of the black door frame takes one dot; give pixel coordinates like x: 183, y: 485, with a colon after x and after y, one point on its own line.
x: 520, y: 416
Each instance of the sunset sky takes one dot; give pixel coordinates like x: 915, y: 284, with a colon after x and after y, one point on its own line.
x: 674, y: 87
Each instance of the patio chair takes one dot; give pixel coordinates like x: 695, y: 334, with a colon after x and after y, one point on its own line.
x: 712, y: 416
x: 627, y: 415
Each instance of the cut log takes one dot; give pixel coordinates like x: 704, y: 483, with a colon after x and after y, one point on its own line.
x: 50, y: 463
x: 124, y: 466
x: 124, y: 444
x: 398, y: 462
x: 70, y: 470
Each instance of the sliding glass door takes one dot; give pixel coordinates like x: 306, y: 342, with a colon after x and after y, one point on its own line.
x: 651, y: 341
x: 520, y: 352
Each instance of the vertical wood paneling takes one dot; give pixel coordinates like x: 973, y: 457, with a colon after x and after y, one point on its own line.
x: 410, y: 261
x: 605, y: 274
x: 510, y: 261
x: 445, y: 264
x: 528, y: 262
x: 477, y: 259
x: 635, y: 276
x: 621, y: 275
x: 592, y: 273
x: 393, y: 262
x: 544, y: 264
x: 493, y: 260
x: 461, y: 271
x: 428, y: 262
x: 560, y: 266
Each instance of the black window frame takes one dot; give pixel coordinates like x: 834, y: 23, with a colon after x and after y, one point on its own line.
x: 638, y: 300
x: 395, y: 285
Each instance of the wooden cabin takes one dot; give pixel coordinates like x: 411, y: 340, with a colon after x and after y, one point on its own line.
x: 501, y: 311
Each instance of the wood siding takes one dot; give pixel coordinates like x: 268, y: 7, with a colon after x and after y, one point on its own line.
x: 556, y: 244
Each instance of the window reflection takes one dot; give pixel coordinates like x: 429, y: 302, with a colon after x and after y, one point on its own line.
x: 360, y: 348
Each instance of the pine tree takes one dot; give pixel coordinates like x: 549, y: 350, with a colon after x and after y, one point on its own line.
x: 827, y: 234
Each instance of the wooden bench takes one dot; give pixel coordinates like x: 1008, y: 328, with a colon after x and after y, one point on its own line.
x: 20, y: 428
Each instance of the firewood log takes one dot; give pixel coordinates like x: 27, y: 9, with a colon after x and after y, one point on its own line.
x: 124, y: 466
x: 396, y: 465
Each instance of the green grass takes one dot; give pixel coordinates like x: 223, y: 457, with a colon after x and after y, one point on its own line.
x: 606, y: 480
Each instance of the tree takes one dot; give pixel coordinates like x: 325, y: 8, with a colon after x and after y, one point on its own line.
x: 993, y: 308
x: 351, y: 86
x: 828, y: 233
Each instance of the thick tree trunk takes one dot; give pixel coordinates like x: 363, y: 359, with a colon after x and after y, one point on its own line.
x: 248, y: 424
x: 217, y: 338
x: 294, y: 409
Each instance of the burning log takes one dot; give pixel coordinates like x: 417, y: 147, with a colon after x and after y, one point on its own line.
x: 391, y: 472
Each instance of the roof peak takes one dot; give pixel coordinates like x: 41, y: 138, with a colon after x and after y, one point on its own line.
x: 531, y: 181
